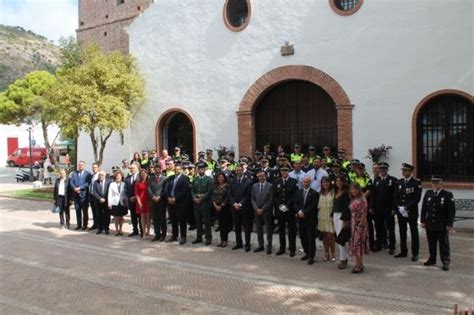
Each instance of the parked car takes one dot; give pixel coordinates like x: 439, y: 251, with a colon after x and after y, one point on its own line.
x: 21, y: 156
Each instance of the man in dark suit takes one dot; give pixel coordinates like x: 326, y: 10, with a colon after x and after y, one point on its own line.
x: 92, y: 200
x: 262, y: 203
x: 79, y: 185
x: 130, y: 189
x: 437, y: 217
x: 285, y: 189
x: 382, y: 206
x: 239, y: 194
x: 158, y: 203
x: 407, y: 197
x: 100, y: 190
x: 177, y: 193
x: 306, y: 205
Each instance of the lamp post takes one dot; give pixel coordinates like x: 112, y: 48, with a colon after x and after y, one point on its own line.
x: 30, y: 129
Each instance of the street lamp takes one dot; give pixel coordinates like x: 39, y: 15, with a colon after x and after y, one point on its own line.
x: 30, y: 129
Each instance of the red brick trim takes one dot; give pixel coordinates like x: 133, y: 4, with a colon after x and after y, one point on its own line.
x: 348, y: 12
x: 227, y: 23
x: 245, y: 114
x: 160, y: 124
x: 421, y: 104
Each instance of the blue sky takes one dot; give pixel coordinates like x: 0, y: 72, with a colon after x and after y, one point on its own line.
x: 50, y: 18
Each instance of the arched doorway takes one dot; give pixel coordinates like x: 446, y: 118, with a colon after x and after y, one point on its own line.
x: 176, y: 129
x: 321, y: 82
x: 296, y: 112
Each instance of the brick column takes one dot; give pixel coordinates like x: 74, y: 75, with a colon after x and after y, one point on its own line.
x: 344, y: 128
x: 246, y: 130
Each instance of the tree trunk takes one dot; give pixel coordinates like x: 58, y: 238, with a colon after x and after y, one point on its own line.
x: 44, y: 128
x: 94, y: 144
x: 103, y: 142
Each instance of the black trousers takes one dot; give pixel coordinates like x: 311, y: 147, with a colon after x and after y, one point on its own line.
x: 177, y: 215
x: 412, y: 221
x: 158, y: 213
x: 441, y: 237
x: 63, y: 210
x: 94, y: 204
x: 242, y: 217
x: 135, y: 217
x: 265, y: 218
x: 225, y: 222
x: 287, y: 219
x: 82, y: 215
x: 190, y: 213
x: 102, y: 216
x: 385, y: 228
x: 307, y: 231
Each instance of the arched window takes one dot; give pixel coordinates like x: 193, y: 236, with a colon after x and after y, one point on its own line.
x: 236, y: 14
x: 445, y: 138
x: 345, y: 7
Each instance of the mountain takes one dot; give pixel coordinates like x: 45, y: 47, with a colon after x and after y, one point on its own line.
x: 23, y: 51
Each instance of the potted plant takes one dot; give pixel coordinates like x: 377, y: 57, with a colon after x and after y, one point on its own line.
x: 378, y: 152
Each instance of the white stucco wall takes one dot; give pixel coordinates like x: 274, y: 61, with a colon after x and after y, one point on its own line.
x: 387, y: 57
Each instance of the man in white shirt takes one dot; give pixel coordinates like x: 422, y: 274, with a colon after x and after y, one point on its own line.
x: 317, y: 173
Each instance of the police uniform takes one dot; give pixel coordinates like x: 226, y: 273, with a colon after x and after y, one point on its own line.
x: 284, y: 195
x: 269, y: 172
x: 296, y: 157
x: 211, y: 163
x: 408, y: 195
x: 383, y: 205
x: 270, y: 156
x: 437, y: 213
x: 202, y: 189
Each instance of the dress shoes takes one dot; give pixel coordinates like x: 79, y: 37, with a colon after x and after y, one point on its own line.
x: 247, y: 248
x: 106, y: 232
x: 197, y: 241
x: 182, y: 241
x: 162, y: 238
x: 84, y: 228
x: 280, y: 252
x: 192, y: 227
x: 208, y: 242
x: 414, y: 258
x: 429, y: 263
x: 171, y: 240
x: 269, y: 251
x: 259, y: 249
x: 237, y: 246
x: 78, y: 228
x: 311, y: 261
x: 155, y: 238
x: 98, y: 232
x: 133, y: 234
x: 445, y: 267
x: 391, y: 251
x: 401, y: 255
x: 292, y: 254
x: 305, y: 257
x: 93, y: 227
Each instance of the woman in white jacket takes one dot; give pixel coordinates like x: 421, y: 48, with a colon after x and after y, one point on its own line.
x: 117, y: 201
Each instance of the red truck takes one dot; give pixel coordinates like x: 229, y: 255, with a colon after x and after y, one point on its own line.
x: 21, y: 156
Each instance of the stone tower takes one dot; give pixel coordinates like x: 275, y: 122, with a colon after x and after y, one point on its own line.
x: 104, y: 22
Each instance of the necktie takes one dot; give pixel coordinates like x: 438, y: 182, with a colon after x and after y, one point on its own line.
x: 261, y: 188
x: 103, y: 187
x: 174, y: 185
x: 305, y: 195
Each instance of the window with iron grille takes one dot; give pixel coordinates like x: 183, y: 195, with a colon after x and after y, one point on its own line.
x: 346, y: 5
x: 445, y: 138
x: 236, y: 14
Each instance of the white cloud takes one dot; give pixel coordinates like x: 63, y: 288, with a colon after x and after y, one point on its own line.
x: 49, y: 18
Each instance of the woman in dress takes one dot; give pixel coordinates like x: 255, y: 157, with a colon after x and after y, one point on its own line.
x: 60, y: 197
x: 143, y: 203
x: 117, y: 201
x: 325, y: 224
x: 359, y: 243
x: 222, y: 207
x: 341, y: 215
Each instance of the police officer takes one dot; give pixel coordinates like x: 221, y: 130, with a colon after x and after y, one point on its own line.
x: 269, y: 173
x: 407, y: 196
x: 270, y: 156
x: 285, y: 189
x: 382, y: 208
x: 437, y: 217
x: 246, y: 173
x: 345, y: 164
x: 327, y: 154
x: 201, y: 195
x: 211, y: 163
x: 312, y: 154
x: 296, y: 155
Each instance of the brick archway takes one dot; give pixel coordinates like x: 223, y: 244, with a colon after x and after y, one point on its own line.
x: 160, y: 124
x: 245, y: 114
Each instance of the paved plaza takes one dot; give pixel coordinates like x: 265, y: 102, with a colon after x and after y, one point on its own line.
x: 48, y: 270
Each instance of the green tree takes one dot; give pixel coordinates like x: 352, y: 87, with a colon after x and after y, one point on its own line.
x: 97, y: 93
x: 29, y: 99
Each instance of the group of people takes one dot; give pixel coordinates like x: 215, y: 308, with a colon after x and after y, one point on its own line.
x: 307, y: 195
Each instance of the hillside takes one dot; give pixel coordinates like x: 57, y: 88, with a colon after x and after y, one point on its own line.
x: 22, y: 51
